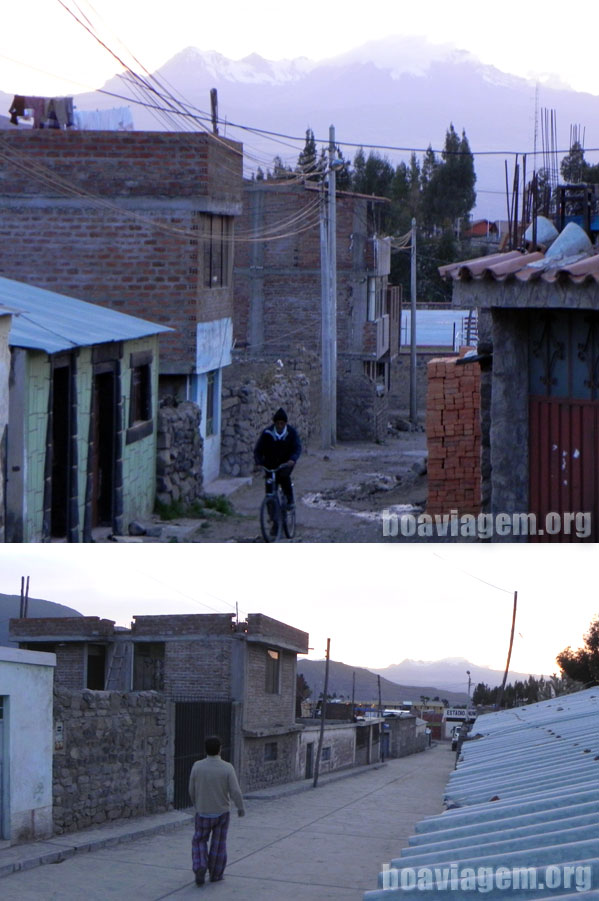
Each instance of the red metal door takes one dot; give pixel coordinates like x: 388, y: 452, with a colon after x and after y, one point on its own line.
x: 564, y: 450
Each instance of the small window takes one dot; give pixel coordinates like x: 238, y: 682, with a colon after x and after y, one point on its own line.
x: 326, y: 754
x: 270, y: 750
x: 272, y: 672
x: 148, y: 666
x: 140, y: 400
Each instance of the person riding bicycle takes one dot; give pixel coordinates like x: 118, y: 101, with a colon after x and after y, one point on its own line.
x: 279, y: 446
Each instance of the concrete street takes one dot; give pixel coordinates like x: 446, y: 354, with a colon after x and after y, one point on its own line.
x: 295, y: 843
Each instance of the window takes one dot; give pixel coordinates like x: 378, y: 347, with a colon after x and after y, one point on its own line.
x: 148, y: 666
x: 326, y: 754
x: 212, y: 402
x: 216, y: 248
x: 96, y: 663
x: 270, y: 750
x: 375, y: 304
x: 140, y: 400
x: 272, y: 672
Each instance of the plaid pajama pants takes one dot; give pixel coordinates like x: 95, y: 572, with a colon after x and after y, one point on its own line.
x: 214, y: 860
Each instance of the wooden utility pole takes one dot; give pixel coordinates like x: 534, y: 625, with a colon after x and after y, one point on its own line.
x: 214, y: 110
x: 24, y: 598
x: 328, y: 294
x: 413, y: 361
x: 509, y: 653
x: 353, y: 695
x: 323, y: 711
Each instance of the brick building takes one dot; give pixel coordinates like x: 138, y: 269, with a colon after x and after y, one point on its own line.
x: 278, y: 294
x: 235, y: 679
x: 138, y: 221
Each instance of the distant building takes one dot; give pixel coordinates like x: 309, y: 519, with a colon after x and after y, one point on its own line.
x: 278, y: 294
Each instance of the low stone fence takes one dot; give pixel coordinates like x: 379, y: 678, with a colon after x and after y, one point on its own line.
x: 110, y: 757
x: 252, y: 391
x: 453, y: 437
x: 179, y: 452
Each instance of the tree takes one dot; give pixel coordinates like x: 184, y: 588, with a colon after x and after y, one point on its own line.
x: 307, y: 161
x: 279, y: 169
x: 302, y: 693
x: 583, y: 665
x: 573, y: 165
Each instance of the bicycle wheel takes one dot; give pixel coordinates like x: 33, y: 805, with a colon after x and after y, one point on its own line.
x: 288, y: 517
x: 270, y: 518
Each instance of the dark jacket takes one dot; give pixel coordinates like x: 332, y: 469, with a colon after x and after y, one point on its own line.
x: 271, y: 451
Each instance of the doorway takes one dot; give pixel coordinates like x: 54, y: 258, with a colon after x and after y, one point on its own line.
x: 104, y: 442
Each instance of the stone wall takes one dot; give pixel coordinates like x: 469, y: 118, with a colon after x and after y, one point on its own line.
x: 179, y: 453
x: 110, y: 757
x: 362, y: 412
x: 400, y: 379
x: 260, y: 769
x: 252, y: 391
x: 453, y: 437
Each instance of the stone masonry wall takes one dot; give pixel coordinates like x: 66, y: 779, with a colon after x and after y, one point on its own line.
x: 262, y: 773
x: 252, y: 391
x: 453, y: 437
x: 110, y: 758
x: 179, y: 453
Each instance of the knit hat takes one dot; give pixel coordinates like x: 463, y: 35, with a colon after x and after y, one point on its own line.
x: 280, y: 415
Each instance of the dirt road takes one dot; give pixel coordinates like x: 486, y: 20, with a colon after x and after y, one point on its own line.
x: 340, y: 493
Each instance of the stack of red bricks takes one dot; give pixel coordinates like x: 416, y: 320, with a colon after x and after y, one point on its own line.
x: 453, y: 436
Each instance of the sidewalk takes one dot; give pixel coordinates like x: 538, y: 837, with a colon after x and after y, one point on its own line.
x: 294, y: 843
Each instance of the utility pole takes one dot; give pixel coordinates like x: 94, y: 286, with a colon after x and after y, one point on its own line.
x: 413, y: 361
x: 328, y: 294
x: 509, y: 653
x: 353, y: 695
x: 323, y: 711
x: 214, y: 110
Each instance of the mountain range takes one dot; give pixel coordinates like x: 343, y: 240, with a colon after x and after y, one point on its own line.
x: 341, y: 684
x: 400, y: 92
x: 451, y: 673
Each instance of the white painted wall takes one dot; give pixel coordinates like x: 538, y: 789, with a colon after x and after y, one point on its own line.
x: 26, y: 679
x: 5, y: 322
x: 214, y: 341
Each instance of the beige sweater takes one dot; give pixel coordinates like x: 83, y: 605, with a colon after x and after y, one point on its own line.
x: 213, y: 785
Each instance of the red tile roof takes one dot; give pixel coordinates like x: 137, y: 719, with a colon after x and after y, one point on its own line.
x: 524, y: 267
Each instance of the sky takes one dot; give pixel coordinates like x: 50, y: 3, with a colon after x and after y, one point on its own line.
x: 523, y: 39
x: 379, y: 604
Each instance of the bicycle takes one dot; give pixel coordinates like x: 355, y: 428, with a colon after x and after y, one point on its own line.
x: 275, y: 512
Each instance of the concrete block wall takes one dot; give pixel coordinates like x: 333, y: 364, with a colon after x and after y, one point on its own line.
x: 453, y: 437
x: 274, y: 630
x: 262, y: 709
x: 111, y: 763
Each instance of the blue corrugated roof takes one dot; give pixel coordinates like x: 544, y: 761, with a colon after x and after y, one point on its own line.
x: 524, y: 796
x: 45, y: 320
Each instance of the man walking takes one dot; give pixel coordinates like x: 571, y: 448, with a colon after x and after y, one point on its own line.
x: 212, y: 786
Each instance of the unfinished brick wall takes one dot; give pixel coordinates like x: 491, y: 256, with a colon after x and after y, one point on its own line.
x: 453, y: 436
x: 126, y: 236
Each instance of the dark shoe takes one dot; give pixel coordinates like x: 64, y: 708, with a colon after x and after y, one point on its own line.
x: 200, y: 876
x: 216, y: 878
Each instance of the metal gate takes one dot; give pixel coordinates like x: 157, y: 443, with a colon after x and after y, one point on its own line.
x: 194, y: 722
x: 564, y: 422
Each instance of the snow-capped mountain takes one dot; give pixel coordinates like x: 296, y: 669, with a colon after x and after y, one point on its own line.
x: 450, y: 673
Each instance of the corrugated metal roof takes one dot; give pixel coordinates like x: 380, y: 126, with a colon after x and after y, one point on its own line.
x: 54, y: 322
x: 526, y: 795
